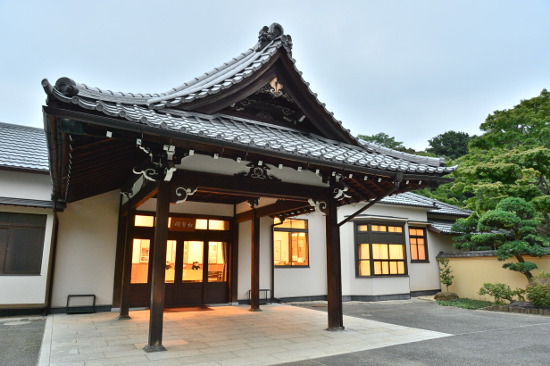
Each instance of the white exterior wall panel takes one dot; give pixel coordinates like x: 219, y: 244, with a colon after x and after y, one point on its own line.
x: 310, y: 281
x: 31, y: 186
x: 86, y: 249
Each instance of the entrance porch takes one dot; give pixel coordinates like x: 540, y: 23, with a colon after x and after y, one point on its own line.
x: 224, y: 335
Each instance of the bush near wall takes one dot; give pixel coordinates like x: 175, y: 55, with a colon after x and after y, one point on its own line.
x: 472, y: 269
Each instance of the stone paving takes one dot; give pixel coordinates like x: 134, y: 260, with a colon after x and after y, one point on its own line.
x: 222, y: 335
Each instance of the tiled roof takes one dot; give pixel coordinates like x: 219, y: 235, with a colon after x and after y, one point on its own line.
x: 246, y: 132
x: 23, y: 147
x: 442, y: 227
x: 158, y: 110
x: 416, y: 200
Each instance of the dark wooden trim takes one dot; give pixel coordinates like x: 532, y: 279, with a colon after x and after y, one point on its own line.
x: 334, y: 269
x: 51, y: 263
x: 148, y: 190
x: 255, y: 265
x: 126, y: 266
x: 119, y: 255
x: 234, y: 261
x: 158, y: 269
x: 276, y: 208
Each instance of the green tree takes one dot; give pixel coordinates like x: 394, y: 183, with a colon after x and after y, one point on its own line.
x: 511, y: 159
x: 511, y: 229
x: 450, y: 144
x: 386, y: 140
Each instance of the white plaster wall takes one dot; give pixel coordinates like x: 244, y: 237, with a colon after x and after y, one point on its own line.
x: 28, y: 290
x: 193, y: 208
x: 245, y: 257
x: 311, y: 281
x: 25, y: 185
x: 86, y: 248
x: 425, y: 276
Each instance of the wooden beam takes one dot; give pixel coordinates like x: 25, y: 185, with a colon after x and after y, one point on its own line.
x: 147, y: 190
x: 244, y: 186
x: 276, y: 208
x: 158, y: 271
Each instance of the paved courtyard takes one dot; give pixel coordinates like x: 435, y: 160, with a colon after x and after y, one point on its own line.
x: 224, y: 335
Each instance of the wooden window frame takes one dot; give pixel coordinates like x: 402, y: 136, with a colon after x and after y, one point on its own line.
x: 290, y: 231
x: 37, y: 249
x: 371, y: 237
x: 423, y: 236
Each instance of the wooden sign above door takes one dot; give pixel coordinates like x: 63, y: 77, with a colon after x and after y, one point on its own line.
x: 182, y: 224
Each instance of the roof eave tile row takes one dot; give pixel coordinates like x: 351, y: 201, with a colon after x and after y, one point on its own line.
x: 250, y: 133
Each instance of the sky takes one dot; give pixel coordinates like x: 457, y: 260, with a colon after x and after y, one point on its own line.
x: 410, y: 69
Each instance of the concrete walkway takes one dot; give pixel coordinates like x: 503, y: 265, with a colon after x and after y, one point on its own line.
x: 224, y: 335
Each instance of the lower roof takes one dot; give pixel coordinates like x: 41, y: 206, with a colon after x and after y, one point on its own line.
x: 23, y: 148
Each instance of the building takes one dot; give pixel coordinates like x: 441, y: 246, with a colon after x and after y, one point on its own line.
x: 200, y: 195
x: 26, y: 219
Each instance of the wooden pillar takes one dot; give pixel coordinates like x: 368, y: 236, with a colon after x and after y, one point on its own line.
x: 255, y: 265
x: 334, y: 269
x: 158, y: 270
x: 234, y: 260
x: 126, y: 266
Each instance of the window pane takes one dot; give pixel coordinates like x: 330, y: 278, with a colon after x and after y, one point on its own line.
x: 140, y: 261
x: 380, y: 251
x: 281, y: 247
x: 414, y: 252
x: 218, y: 225
x: 144, y: 221
x: 377, y: 268
x: 364, y: 268
x: 363, y: 227
x: 170, y: 261
x: 396, y: 251
x: 393, y: 268
x: 216, y: 262
x: 421, y: 253
x: 291, y: 247
x: 299, y: 247
x: 202, y: 224
x: 192, y: 261
x: 385, y: 268
x: 24, y: 250
x: 400, y: 267
x: 379, y: 228
x: 364, y: 251
x: 293, y: 224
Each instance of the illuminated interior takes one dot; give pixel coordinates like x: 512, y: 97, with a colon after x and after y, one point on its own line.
x: 290, y: 243
x: 140, y: 261
x: 381, y: 259
x: 418, y: 244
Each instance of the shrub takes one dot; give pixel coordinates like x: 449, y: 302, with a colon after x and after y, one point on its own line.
x: 501, y: 292
x: 538, y: 290
x: 445, y: 272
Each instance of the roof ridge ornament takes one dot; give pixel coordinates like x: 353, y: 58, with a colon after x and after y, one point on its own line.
x: 66, y: 86
x: 272, y: 33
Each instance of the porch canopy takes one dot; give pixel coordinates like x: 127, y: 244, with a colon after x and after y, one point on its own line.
x: 250, y: 128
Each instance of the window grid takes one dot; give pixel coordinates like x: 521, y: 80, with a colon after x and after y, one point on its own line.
x: 380, y: 250
x: 418, y: 244
x: 291, y: 244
